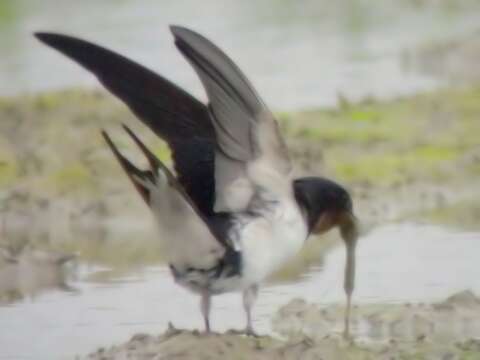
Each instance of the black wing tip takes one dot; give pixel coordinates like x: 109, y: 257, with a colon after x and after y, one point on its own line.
x: 44, y: 36
x: 185, y: 36
x: 66, y: 44
x: 50, y: 38
x: 177, y: 30
x: 179, y: 34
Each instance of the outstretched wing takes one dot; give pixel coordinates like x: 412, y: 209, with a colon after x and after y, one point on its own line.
x: 188, y: 240
x: 174, y: 115
x: 251, y: 153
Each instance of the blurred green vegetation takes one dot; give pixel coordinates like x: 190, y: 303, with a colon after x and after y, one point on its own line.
x: 464, y: 215
x: 51, y: 141
x: 432, y: 136
x: 7, y: 11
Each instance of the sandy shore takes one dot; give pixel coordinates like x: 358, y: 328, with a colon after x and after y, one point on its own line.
x: 449, y: 329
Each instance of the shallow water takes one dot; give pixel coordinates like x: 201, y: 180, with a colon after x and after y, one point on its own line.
x: 99, y: 305
x: 299, y: 54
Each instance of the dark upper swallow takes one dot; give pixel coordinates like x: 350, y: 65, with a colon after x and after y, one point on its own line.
x: 233, y: 214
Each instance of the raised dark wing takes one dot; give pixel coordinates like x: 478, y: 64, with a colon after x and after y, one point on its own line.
x: 251, y: 153
x: 173, y: 114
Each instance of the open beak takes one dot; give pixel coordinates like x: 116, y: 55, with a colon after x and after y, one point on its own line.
x: 349, y: 231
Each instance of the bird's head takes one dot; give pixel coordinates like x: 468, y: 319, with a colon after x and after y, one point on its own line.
x: 327, y: 205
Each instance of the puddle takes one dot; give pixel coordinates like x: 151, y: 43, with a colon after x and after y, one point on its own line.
x: 396, y: 263
x: 298, y: 55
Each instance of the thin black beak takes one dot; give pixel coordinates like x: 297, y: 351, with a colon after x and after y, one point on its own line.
x: 349, y: 232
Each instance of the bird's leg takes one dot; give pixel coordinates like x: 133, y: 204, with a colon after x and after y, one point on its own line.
x: 205, y: 304
x: 249, y: 298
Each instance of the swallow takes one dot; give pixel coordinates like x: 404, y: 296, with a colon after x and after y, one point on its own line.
x: 231, y: 212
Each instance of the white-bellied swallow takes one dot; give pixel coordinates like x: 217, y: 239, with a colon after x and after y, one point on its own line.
x: 232, y: 213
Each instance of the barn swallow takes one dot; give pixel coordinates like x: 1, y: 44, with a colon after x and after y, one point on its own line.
x: 232, y: 213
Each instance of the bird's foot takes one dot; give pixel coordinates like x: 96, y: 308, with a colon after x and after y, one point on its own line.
x: 247, y: 332
x: 172, y: 330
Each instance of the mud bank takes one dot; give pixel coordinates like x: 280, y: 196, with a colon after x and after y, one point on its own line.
x: 449, y: 329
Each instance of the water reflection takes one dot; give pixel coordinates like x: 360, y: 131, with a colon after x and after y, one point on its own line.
x: 30, y: 273
x: 114, y: 299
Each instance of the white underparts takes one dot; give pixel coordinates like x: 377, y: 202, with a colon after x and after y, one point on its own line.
x: 268, y: 241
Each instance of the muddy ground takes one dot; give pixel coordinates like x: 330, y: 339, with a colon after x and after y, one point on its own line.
x: 413, y: 158
x: 449, y: 329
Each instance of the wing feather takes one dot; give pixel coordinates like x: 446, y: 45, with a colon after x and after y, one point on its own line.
x: 250, y: 149
x: 173, y: 114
